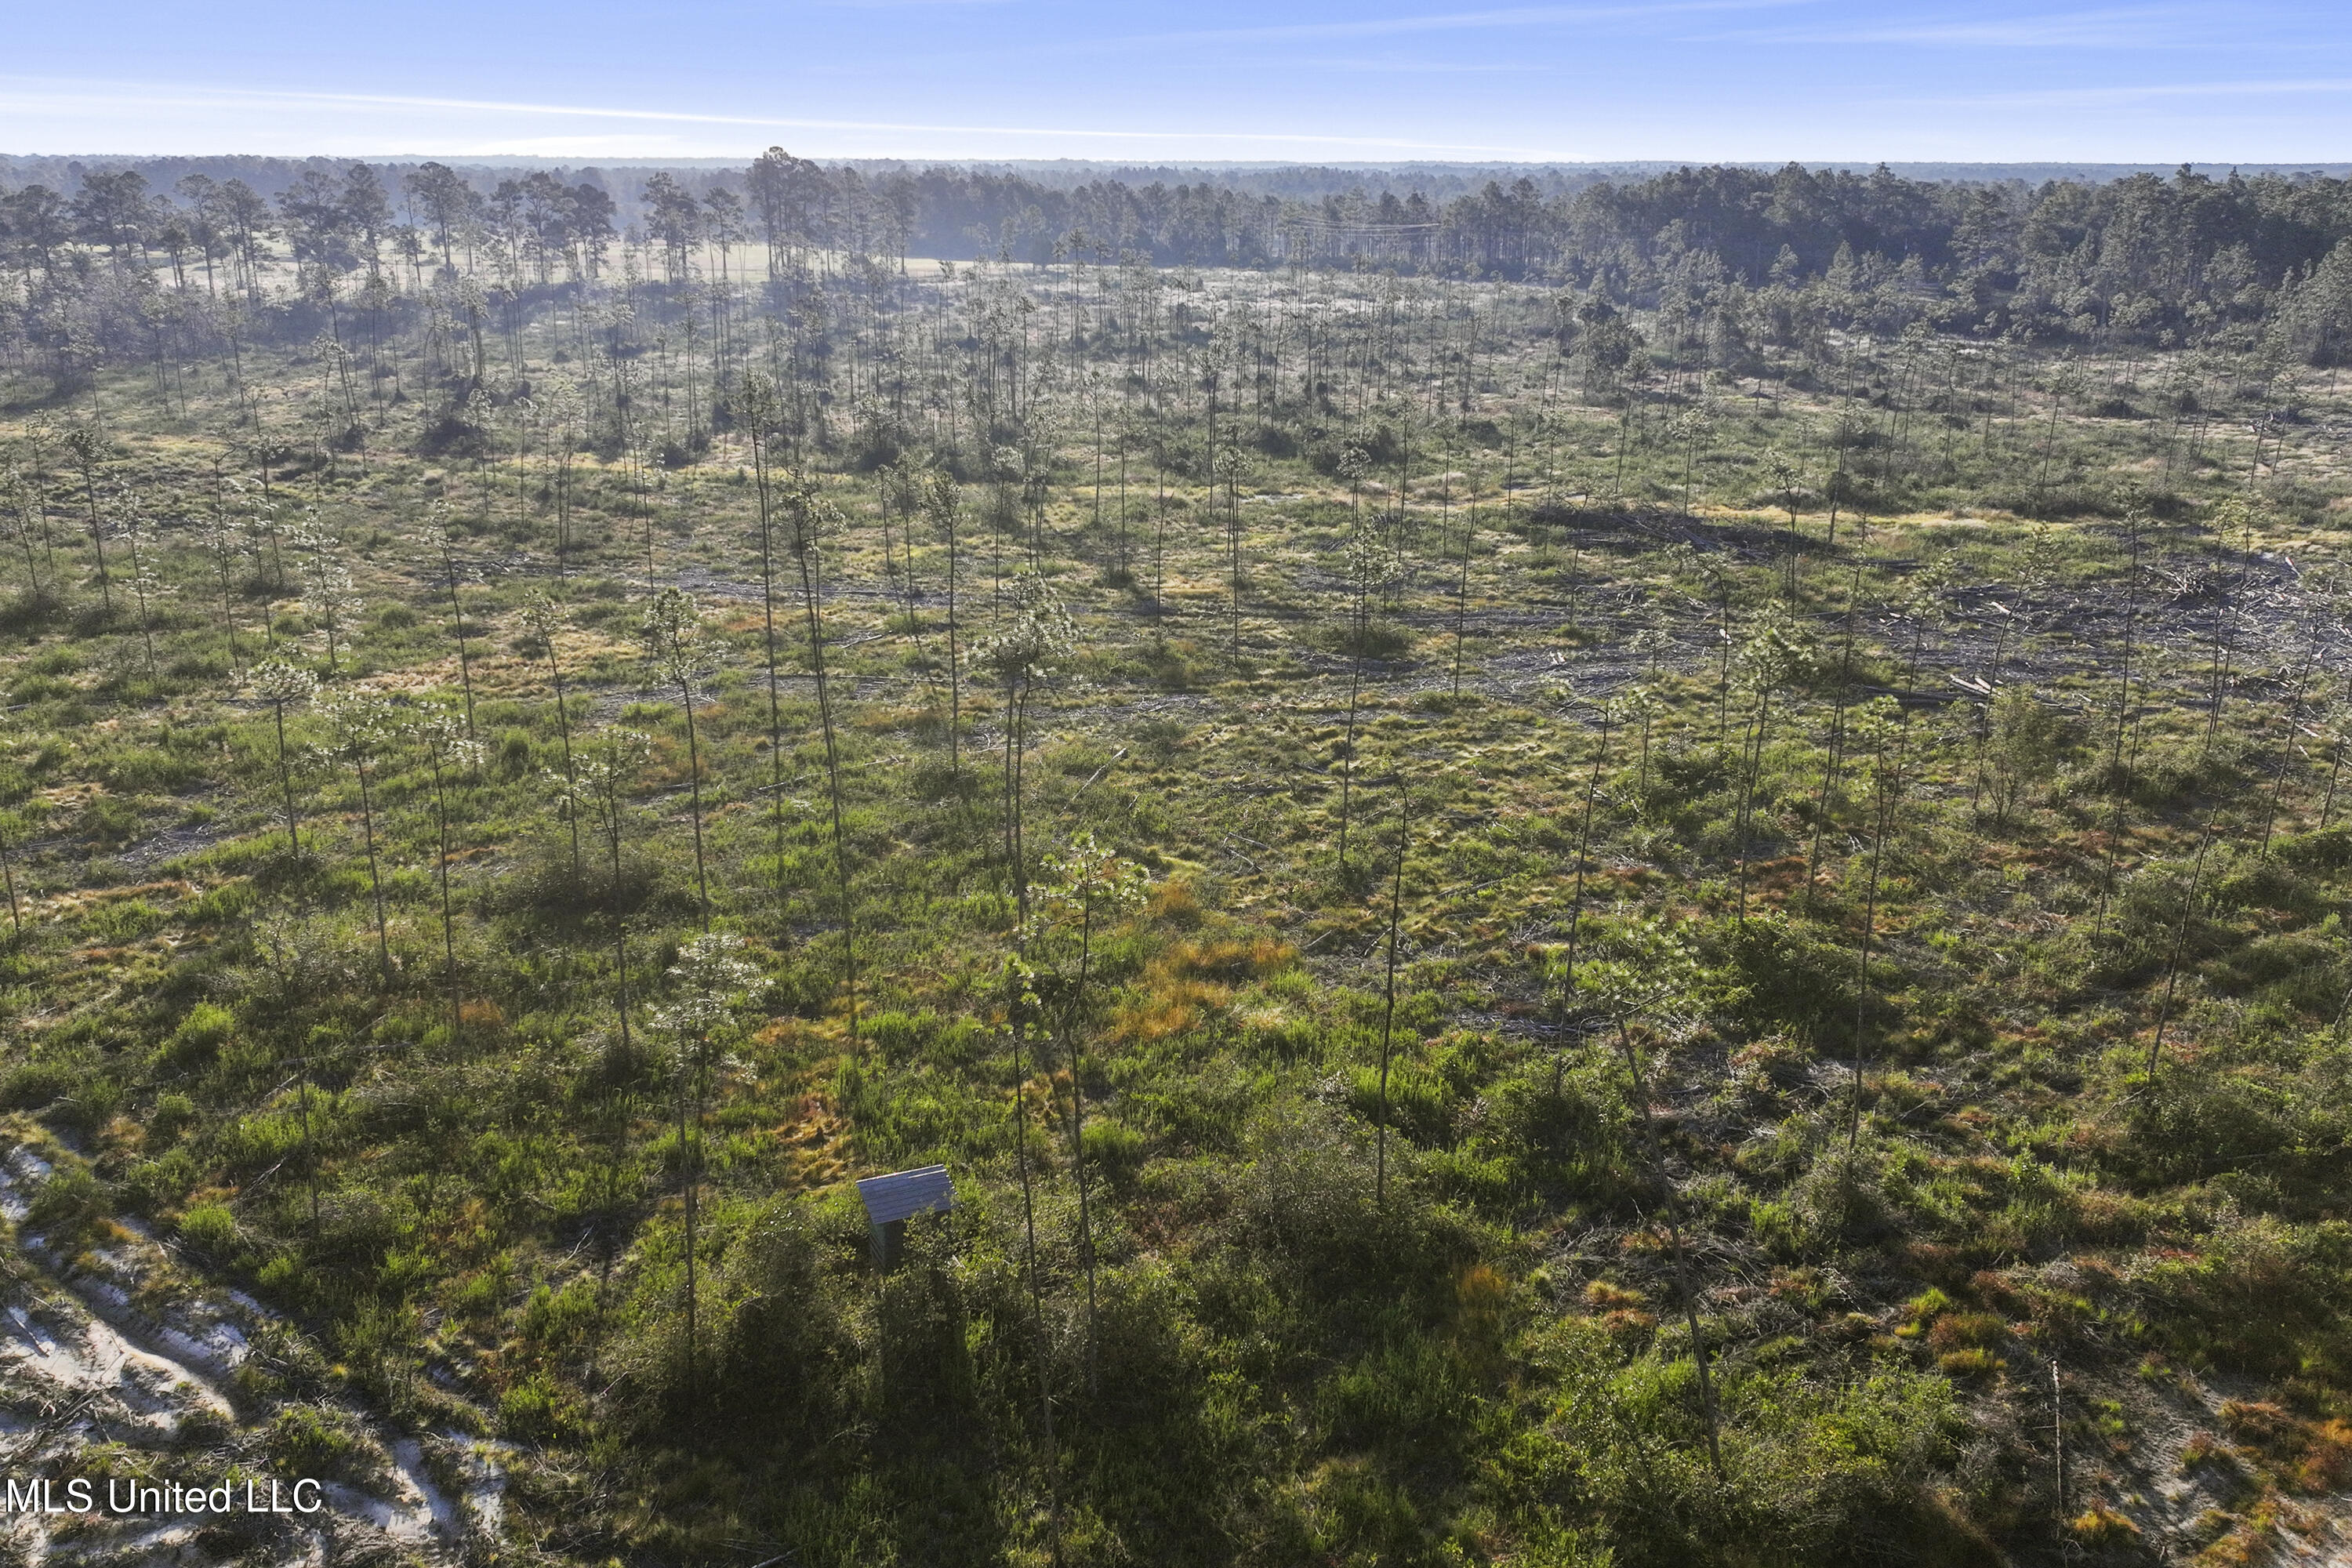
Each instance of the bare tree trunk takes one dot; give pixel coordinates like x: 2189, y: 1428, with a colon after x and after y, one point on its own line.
x: 1388, y: 1006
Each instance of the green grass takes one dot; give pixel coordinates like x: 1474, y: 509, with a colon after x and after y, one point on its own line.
x: 1283, y: 1330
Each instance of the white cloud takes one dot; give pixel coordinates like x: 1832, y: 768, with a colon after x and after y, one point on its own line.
x: 2119, y: 27
x: 2134, y: 93
x: 83, y: 117
x: 1511, y: 17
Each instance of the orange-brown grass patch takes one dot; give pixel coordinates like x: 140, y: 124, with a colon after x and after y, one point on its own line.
x: 1775, y: 1060
x: 172, y: 888
x: 667, y: 763
x: 2326, y: 1464
x: 884, y: 721
x: 1229, y: 961
x: 777, y: 1031
x: 1170, y: 1007
x: 2099, y: 1525
x: 1627, y: 1325
x: 815, y: 1143
x: 472, y: 1235
x: 1185, y: 985
x: 1174, y: 903
x: 1992, y: 1288
x: 1621, y: 1310
x: 481, y: 1015
x: 1958, y: 1330
x: 1774, y: 881
x: 1970, y: 1119
x: 2101, y: 1215
x: 89, y: 898
x: 2310, y: 1455
x: 1802, y: 1286
x: 1938, y: 1261
x: 1160, y: 1226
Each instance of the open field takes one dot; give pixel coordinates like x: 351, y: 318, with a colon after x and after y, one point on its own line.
x: 1535, y: 931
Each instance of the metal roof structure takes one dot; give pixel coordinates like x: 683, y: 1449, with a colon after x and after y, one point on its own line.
x: 902, y: 1192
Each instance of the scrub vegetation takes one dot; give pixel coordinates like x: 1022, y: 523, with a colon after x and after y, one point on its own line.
x: 1662, y: 893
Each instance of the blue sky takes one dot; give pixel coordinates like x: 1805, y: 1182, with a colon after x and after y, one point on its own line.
x: 1383, y: 81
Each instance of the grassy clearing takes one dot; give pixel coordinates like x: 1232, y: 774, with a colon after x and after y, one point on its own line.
x: 1899, y: 945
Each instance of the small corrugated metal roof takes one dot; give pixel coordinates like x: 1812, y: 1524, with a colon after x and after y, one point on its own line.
x: 904, y: 1193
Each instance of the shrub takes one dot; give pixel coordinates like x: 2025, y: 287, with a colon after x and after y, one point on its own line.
x: 2263, y: 1297
x: 200, y: 1034
x: 91, y: 1105
x: 531, y: 1412
x: 36, y: 1084
x: 145, y: 769
x: 2198, y: 1122
x: 171, y: 1115
x: 1814, y: 1474
x: 321, y: 1441
x: 210, y: 1229
x: 1419, y: 1104
x: 1116, y: 1149
x: 68, y: 1207
x: 150, y: 1185
x: 1787, y: 976
x: 2329, y: 850
x: 1408, y: 1399
x: 783, y: 1340
x: 561, y: 1320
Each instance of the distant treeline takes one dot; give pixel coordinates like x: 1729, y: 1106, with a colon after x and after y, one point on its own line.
x: 2143, y: 258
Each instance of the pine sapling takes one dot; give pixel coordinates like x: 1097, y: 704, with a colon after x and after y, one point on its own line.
x: 712, y: 977
x: 88, y: 449
x: 545, y: 618
x: 1086, y: 887
x: 361, y: 730
x: 1036, y: 637
x: 284, y: 685
x: 1646, y: 966
x: 1363, y: 565
x: 451, y: 755
x: 1388, y: 1001
x: 942, y: 505
x: 1879, y: 726
x: 810, y: 518
x: 672, y: 629
x: 444, y: 537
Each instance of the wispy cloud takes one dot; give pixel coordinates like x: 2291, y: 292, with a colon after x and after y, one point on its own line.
x: 2133, y: 26
x: 27, y: 94
x: 1411, y: 65
x: 1516, y: 16
x: 2135, y: 92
